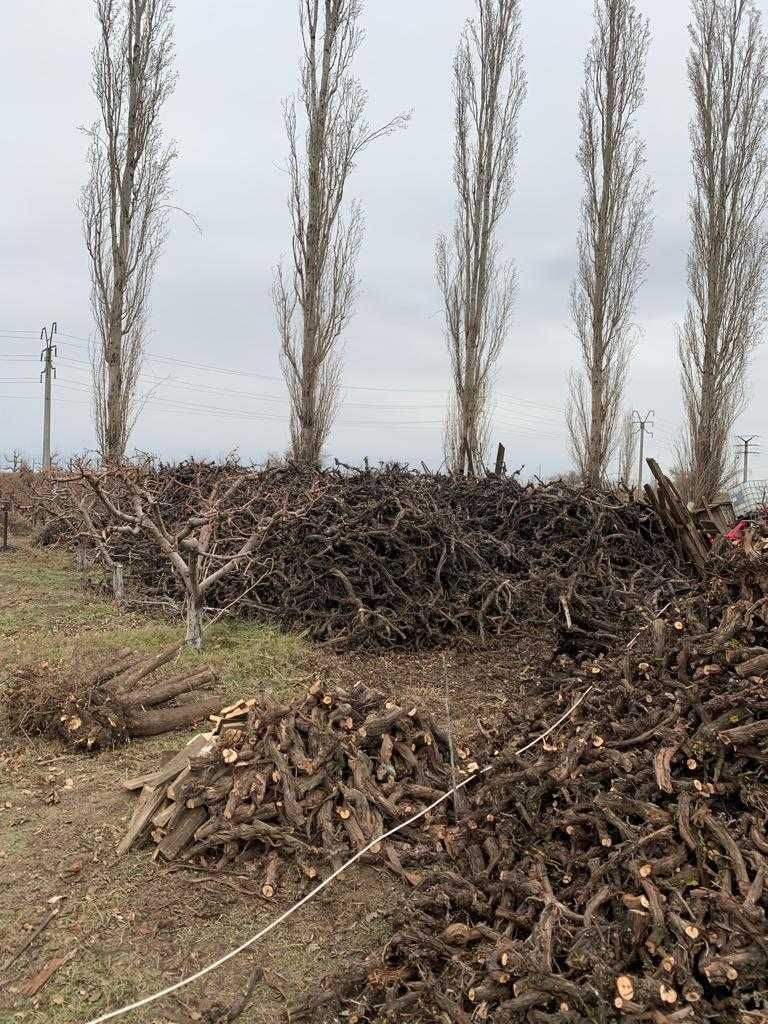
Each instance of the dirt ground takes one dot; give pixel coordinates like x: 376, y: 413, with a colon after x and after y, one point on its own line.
x: 128, y: 926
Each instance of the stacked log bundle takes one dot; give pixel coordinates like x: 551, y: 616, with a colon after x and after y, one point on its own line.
x: 122, y: 700
x: 616, y: 871
x: 398, y: 558
x: 299, y: 786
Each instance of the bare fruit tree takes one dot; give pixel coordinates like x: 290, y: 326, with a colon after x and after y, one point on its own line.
x: 478, y: 290
x: 614, y: 231
x: 201, y: 551
x: 314, y: 300
x: 727, y: 263
x: 125, y: 202
x: 627, y: 449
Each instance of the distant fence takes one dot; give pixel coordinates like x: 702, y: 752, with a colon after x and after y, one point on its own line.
x: 749, y: 496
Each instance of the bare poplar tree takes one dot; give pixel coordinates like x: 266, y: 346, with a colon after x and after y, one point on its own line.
x: 614, y: 231
x: 478, y: 290
x: 314, y: 302
x: 627, y: 449
x: 125, y: 202
x: 729, y: 247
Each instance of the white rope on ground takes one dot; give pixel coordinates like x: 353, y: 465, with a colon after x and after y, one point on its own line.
x: 327, y: 881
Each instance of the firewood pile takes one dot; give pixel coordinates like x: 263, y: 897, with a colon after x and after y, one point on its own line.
x: 121, y: 700
x: 297, y: 787
x: 399, y: 558
x: 615, y: 871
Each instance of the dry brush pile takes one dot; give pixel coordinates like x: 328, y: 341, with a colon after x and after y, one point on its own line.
x: 617, y: 870
x: 390, y: 557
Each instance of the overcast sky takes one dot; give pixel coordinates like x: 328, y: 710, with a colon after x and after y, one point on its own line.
x: 211, y: 305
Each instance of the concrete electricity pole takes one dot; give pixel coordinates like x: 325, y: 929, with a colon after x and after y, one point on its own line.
x: 642, y: 426
x: 746, y: 442
x: 47, y: 376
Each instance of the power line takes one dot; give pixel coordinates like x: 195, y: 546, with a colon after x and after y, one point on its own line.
x: 349, y: 387
x: 172, y: 383
x: 170, y: 404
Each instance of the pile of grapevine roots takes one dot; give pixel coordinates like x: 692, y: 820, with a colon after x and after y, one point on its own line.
x: 617, y: 869
x: 399, y: 558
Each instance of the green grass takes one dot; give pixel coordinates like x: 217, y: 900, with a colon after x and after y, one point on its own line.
x: 47, y: 613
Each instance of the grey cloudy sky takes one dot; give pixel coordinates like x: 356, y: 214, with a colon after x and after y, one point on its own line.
x: 211, y: 307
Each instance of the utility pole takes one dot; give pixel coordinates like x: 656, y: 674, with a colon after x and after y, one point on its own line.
x: 746, y: 442
x: 47, y: 375
x: 642, y: 426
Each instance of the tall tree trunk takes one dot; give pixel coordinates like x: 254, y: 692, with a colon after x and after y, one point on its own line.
x: 194, y: 635
x: 614, y: 230
x: 729, y: 248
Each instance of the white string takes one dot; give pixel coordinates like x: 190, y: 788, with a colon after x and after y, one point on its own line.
x: 318, y: 888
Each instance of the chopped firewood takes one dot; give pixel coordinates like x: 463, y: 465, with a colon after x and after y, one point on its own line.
x: 182, y: 832
x: 162, y: 818
x: 269, y: 884
x: 150, y: 802
x: 670, y: 921
x: 256, y: 791
x: 172, y: 767
x: 667, y: 994
x: 625, y: 986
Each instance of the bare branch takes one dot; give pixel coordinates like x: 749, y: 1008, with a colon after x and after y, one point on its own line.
x: 128, y: 496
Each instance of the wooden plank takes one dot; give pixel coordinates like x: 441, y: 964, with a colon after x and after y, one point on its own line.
x: 182, y: 832
x: 687, y: 532
x: 150, y: 802
x: 173, y: 789
x: 197, y: 745
x: 32, y: 985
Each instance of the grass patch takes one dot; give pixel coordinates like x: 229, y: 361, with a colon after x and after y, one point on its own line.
x: 47, y: 613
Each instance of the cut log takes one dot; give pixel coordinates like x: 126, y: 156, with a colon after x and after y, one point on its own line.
x: 123, y: 659
x: 754, y: 667
x: 160, y: 720
x: 269, y: 885
x: 130, y: 679
x: 168, y: 689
